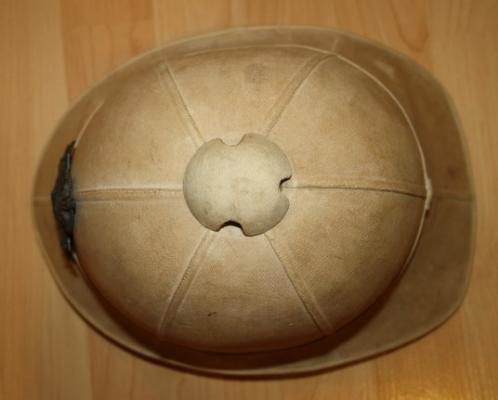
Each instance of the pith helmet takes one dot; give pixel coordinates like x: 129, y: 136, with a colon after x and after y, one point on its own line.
x: 260, y: 201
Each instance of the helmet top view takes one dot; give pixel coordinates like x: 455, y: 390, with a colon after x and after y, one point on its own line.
x: 260, y: 201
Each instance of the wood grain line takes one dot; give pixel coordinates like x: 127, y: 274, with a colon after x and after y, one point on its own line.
x: 359, y: 183
x: 118, y: 194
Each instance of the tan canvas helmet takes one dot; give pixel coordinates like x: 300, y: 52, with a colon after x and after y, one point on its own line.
x: 260, y: 201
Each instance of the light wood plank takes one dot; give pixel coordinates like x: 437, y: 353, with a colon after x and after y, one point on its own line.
x: 41, y: 343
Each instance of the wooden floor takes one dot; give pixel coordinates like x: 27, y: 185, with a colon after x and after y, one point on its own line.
x: 51, y: 50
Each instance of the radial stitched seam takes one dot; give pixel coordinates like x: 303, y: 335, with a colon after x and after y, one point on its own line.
x: 180, y: 105
x: 427, y: 180
x: 302, y: 292
x: 443, y: 196
x: 290, y: 90
x: 86, y: 123
x: 190, y: 272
